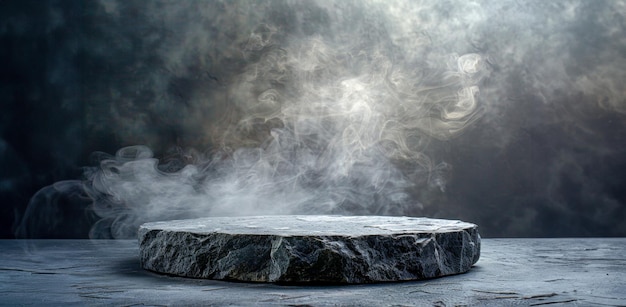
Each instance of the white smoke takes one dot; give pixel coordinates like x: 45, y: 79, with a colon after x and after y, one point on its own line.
x: 313, y: 124
x: 352, y: 107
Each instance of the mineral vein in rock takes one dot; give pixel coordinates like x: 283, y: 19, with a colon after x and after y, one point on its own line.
x: 304, y: 249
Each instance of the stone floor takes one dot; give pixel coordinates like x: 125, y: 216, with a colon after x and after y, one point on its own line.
x: 524, y: 272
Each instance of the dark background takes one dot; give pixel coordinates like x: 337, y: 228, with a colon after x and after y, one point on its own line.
x: 546, y: 157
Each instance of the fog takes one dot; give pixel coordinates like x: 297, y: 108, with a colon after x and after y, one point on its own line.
x: 507, y: 114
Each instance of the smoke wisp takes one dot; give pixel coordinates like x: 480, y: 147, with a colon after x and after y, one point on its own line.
x: 504, y: 113
x: 318, y: 124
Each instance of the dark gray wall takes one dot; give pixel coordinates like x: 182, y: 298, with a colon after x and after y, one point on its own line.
x: 345, y: 107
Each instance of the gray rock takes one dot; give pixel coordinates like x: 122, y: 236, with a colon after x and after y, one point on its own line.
x: 310, y: 248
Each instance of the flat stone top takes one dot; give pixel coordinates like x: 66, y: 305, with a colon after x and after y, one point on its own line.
x: 308, y: 225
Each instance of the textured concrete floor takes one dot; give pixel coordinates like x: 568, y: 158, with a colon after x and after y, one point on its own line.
x: 526, y: 272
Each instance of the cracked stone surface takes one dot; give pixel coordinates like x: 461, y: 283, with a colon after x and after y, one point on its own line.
x: 310, y: 249
x: 511, y: 272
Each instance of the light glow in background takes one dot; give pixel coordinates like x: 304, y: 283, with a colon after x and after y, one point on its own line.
x: 508, y: 114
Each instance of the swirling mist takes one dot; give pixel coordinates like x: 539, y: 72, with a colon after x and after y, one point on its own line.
x: 487, y: 111
x: 319, y: 124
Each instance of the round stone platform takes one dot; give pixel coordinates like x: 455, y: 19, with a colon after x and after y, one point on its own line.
x: 309, y: 248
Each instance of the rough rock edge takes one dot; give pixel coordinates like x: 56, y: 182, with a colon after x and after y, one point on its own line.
x: 309, y: 259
